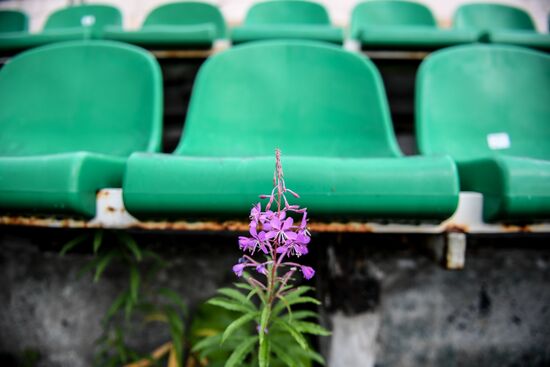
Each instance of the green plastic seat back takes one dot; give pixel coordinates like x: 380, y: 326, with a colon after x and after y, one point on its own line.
x: 13, y: 21
x: 390, y: 13
x: 94, y: 96
x: 187, y: 13
x: 95, y: 17
x: 287, y: 12
x: 479, y: 101
x: 307, y: 98
x: 492, y: 17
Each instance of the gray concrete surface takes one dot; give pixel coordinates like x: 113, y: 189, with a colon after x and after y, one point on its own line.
x: 387, y: 299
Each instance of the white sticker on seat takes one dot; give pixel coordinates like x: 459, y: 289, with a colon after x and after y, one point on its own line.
x: 87, y: 20
x: 498, y: 141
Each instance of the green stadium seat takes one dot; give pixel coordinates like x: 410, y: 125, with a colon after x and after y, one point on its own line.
x: 287, y: 19
x: 403, y: 25
x: 501, y: 24
x: 67, y: 24
x: 487, y: 106
x: 325, y: 108
x: 176, y: 25
x: 13, y: 21
x: 71, y: 114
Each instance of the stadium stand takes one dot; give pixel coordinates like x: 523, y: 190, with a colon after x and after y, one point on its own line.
x: 70, y: 23
x: 13, y: 21
x: 176, y: 25
x: 395, y: 24
x: 324, y: 107
x: 501, y: 24
x: 487, y: 106
x: 287, y: 19
x: 71, y: 114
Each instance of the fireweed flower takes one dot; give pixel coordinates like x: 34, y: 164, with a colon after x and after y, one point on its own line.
x: 276, y: 235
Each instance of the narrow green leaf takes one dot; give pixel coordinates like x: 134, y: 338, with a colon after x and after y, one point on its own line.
x: 131, y: 244
x: 244, y: 286
x: 293, y: 332
x: 116, y: 305
x: 235, y: 325
x: 280, y: 306
x: 174, y: 297
x: 177, y: 342
x: 72, y: 243
x: 315, y: 356
x: 239, y: 354
x: 98, y: 239
x: 209, y: 341
x: 228, y: 304
x: 174, y: 320
x: 283, y: 355
x: 264, y: 321
x: 237, y: 296
x: 134, y: 283
x: 263, y: 353
x: 300, y: 315
x: 103, y: 263
x: 310, y: 328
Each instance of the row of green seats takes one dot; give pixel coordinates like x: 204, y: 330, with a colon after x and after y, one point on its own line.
x: 80, y: 116
x: 386, y: 24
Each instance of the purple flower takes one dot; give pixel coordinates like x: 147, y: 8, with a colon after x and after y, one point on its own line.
x: 255, y: 213
x: 257, y: 240
x: 308, y: 272
x: 281, y: 230
x: 238, y: 269
x: 261, y: 269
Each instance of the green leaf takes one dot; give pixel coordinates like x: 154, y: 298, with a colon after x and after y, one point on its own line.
x: 235, y: 325
x: 244, y: 286
x: 228, y: 304
x: 177, y: 342
x: 264, y: 320
x: 207, y: 342
x: 116, y: 305
x: 174, y: 297
x: 237, y: 296
x: 72, y: 243
x: 293, y: 332
x: 131, y: 244
x: 310, y: 328
x: 300, y: 315
x: 283, y: 355
x: 98, y: 239
x: 134, y: 282
x: 239, y: 354
x: 315, y: 356
x: 281, y: 306
x: 102, y: 264
x: 263, y: 353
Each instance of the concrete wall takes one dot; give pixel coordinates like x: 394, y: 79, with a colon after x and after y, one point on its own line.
x: 386, y: 298
x: 134, y: 11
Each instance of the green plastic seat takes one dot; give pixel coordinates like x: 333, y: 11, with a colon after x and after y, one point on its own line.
x: 501, y: 24
x: 71, y: 115
x: 487, y: 106
x: 287, y: 19
x: 13, y: 21
x: 176, y: 25
x: 67, y: 24
x: 396, y: 24
x: 325, y: 108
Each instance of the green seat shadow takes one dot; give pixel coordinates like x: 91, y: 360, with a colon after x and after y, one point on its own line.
x: 176, y: 25
x: 71, y: 115
x: 66, y: 24
x: 287, y: 19
x: 325, y: 108
x: 501, y: 24
x: 13, y: 21
x: 396, y: 24
x: 487, y: 106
